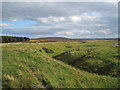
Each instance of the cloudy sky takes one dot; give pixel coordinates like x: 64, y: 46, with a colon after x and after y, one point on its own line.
x: 60, y: 19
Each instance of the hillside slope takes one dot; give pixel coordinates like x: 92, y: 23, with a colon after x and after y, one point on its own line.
x: 26, y: 66
x: 103, y: 61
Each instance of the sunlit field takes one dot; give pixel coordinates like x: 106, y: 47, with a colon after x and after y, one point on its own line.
x: 80, y: 64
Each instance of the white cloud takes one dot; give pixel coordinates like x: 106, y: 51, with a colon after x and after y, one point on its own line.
x: 116, y: 35
x: 49, y: 19
x: 64, y: 33
x: 12, y: 20
x: 84, y: 32
x: 86, y: 16
x: 42, y: 20
x: 99, y: 25
x: 72, y: 32
x: 75, y: 19
x: 56, y: 19
x: 90, y: 16
x: 62, y: 18
x: 104, y: 31
x: 4, y: 24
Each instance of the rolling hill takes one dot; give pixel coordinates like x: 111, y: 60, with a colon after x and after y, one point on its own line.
x: 36, y: 65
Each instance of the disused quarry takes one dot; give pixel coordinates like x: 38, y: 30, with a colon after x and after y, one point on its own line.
x: 110, y: 68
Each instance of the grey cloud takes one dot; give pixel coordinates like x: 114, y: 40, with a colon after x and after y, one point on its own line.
x: 27, y: 10
x: 34, y: 10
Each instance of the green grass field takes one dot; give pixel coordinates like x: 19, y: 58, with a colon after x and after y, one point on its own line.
x: 83, y: 64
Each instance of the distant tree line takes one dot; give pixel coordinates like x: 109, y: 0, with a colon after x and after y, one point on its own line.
x: 8, y: 39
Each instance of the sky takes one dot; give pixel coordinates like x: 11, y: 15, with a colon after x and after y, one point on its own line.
x: 60, y: 19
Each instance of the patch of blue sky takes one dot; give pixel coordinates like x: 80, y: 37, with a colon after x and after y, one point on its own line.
x: 90, y: 14
x: 20, y: 23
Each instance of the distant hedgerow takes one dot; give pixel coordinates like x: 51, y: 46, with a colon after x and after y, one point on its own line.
x: 9, y: 39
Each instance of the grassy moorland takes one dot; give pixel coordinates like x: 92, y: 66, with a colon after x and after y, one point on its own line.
x: 80, y: 64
